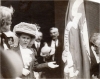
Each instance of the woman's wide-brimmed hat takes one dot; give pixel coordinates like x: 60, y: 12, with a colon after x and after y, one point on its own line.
x: 26, y: 28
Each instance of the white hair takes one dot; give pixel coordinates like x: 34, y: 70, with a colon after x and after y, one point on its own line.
x: 6, y: 12
x: 54, y: 28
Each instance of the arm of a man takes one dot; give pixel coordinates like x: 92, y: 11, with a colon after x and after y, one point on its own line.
x: 45, y: 66
x: 41, y: 67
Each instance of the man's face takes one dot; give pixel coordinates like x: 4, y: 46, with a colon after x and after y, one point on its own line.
x: 39, y: 37
x: 7, y: 24
x: 54, y: 34
x: 24, y: 40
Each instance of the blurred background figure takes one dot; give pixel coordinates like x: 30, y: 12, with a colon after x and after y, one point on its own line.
x: 38, y: 44
x: 10, y: 64
x: 95, y: 55
x: 5, y: 25
x: 5, y: 18
x: 38, y: 27
x: 8, y: 59
x: 7, y: 41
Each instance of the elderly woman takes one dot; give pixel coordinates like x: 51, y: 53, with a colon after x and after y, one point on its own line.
x: 5, y: 24
x: 26, y: 32
x: 8, y: 67
x: 95, y: 52
x: 5, y: 18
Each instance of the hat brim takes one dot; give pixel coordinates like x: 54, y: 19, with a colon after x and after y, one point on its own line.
x: 27, y: 33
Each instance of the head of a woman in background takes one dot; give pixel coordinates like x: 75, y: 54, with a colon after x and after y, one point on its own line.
x: 5, y: 18
x: 26, y: 32
x: 95, y: 42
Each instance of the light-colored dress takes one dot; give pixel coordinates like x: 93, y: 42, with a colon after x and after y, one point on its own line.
x: 28, y: 59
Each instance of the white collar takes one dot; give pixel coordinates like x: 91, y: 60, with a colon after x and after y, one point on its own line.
x: 55, y: 42
x: 37, y: 43
x: 27, y: 50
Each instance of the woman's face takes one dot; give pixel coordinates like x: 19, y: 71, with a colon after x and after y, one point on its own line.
x: 10, y: 41
x: 97, y: 50
x: 24, y: 40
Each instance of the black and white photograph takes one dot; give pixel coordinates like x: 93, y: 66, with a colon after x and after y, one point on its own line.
x: 49, y: 39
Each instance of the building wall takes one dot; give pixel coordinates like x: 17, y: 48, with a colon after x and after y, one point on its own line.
x: 93, y: 17
x: 60, y: 10
x: 99, y: 18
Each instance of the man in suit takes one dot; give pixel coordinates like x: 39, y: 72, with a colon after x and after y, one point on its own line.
x: 38, y: 44
x: 55, y: 43
x: 7, y: 37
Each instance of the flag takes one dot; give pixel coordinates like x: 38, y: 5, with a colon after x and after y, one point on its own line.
x: 76, y: 54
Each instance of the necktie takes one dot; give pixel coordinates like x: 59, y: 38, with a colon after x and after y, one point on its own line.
x: 53, y: 57
x: 37, y: 46
x: 55, y: 44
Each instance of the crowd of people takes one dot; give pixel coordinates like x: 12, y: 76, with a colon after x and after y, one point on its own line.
x: 27, y: 41
x: 33, y: 57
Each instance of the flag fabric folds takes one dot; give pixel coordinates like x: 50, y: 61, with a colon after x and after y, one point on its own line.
x: 76, y: 54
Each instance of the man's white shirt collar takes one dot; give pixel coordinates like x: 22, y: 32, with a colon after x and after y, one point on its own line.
x: 37, y: 43
x: 54, y: 42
